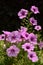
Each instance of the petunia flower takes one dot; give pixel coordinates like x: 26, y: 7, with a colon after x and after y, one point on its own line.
x: 33, y: 21
x: 32, y: 56
x: 40, y: 45
x: 38, y: 27
x: 33, y: 38
x: 12, y: 51
x: 25, y: 35
x: 2, y: 37
x: 34, y: 9
x: 22, y: 13
x: 14, y: 37
x: 6, y: 33
x: 27, y: 47
x: 23, y: 29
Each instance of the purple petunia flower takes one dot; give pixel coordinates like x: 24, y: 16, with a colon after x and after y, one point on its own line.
x: 23, y: 29
x: 40, y: 45
x: 12, y: 51
x: 34, y: 9
x: 14, y: 37
x: 2, y: 37
x: 6, y: 33
x: 22, y: 13
x: 38, y: 27
x: 33, y: 21
x: 27, y: 47
x: 32, y: 56
x: 25, y: 35
x: 33, y: 38
x: 23, y: 32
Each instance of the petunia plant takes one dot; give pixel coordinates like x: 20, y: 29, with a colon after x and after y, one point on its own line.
x: 25, y: 45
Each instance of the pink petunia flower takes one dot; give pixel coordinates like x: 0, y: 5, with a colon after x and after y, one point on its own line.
x: 27, y: 47
x: 12, y: 51
x: 38, y: 27
x: 2, y: 37
x: 34, y: 9
x: 33, y: 38
x: 33, y: 21
x: 14, y: 37
x: 40, y: 45
x: 23, y: 32
x: 32, y: 56
x: 25, y: 35
x: 23, y: 29
x: 22, y: 13
x: 6, y: 33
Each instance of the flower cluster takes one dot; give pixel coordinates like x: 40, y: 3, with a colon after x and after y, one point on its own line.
x: 29, y: 47
x: 27, y: 40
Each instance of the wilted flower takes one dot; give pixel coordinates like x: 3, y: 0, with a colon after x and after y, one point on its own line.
x: 40, y: 45
x: 34, y: 9
x: 22, y: 13
x: 27, y: 47
x: 33, y: 38
x: 38, y: 27
x: 32, y: 56
x: 2, y: 37
x: 12, y: 51
x: 33, y: 21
